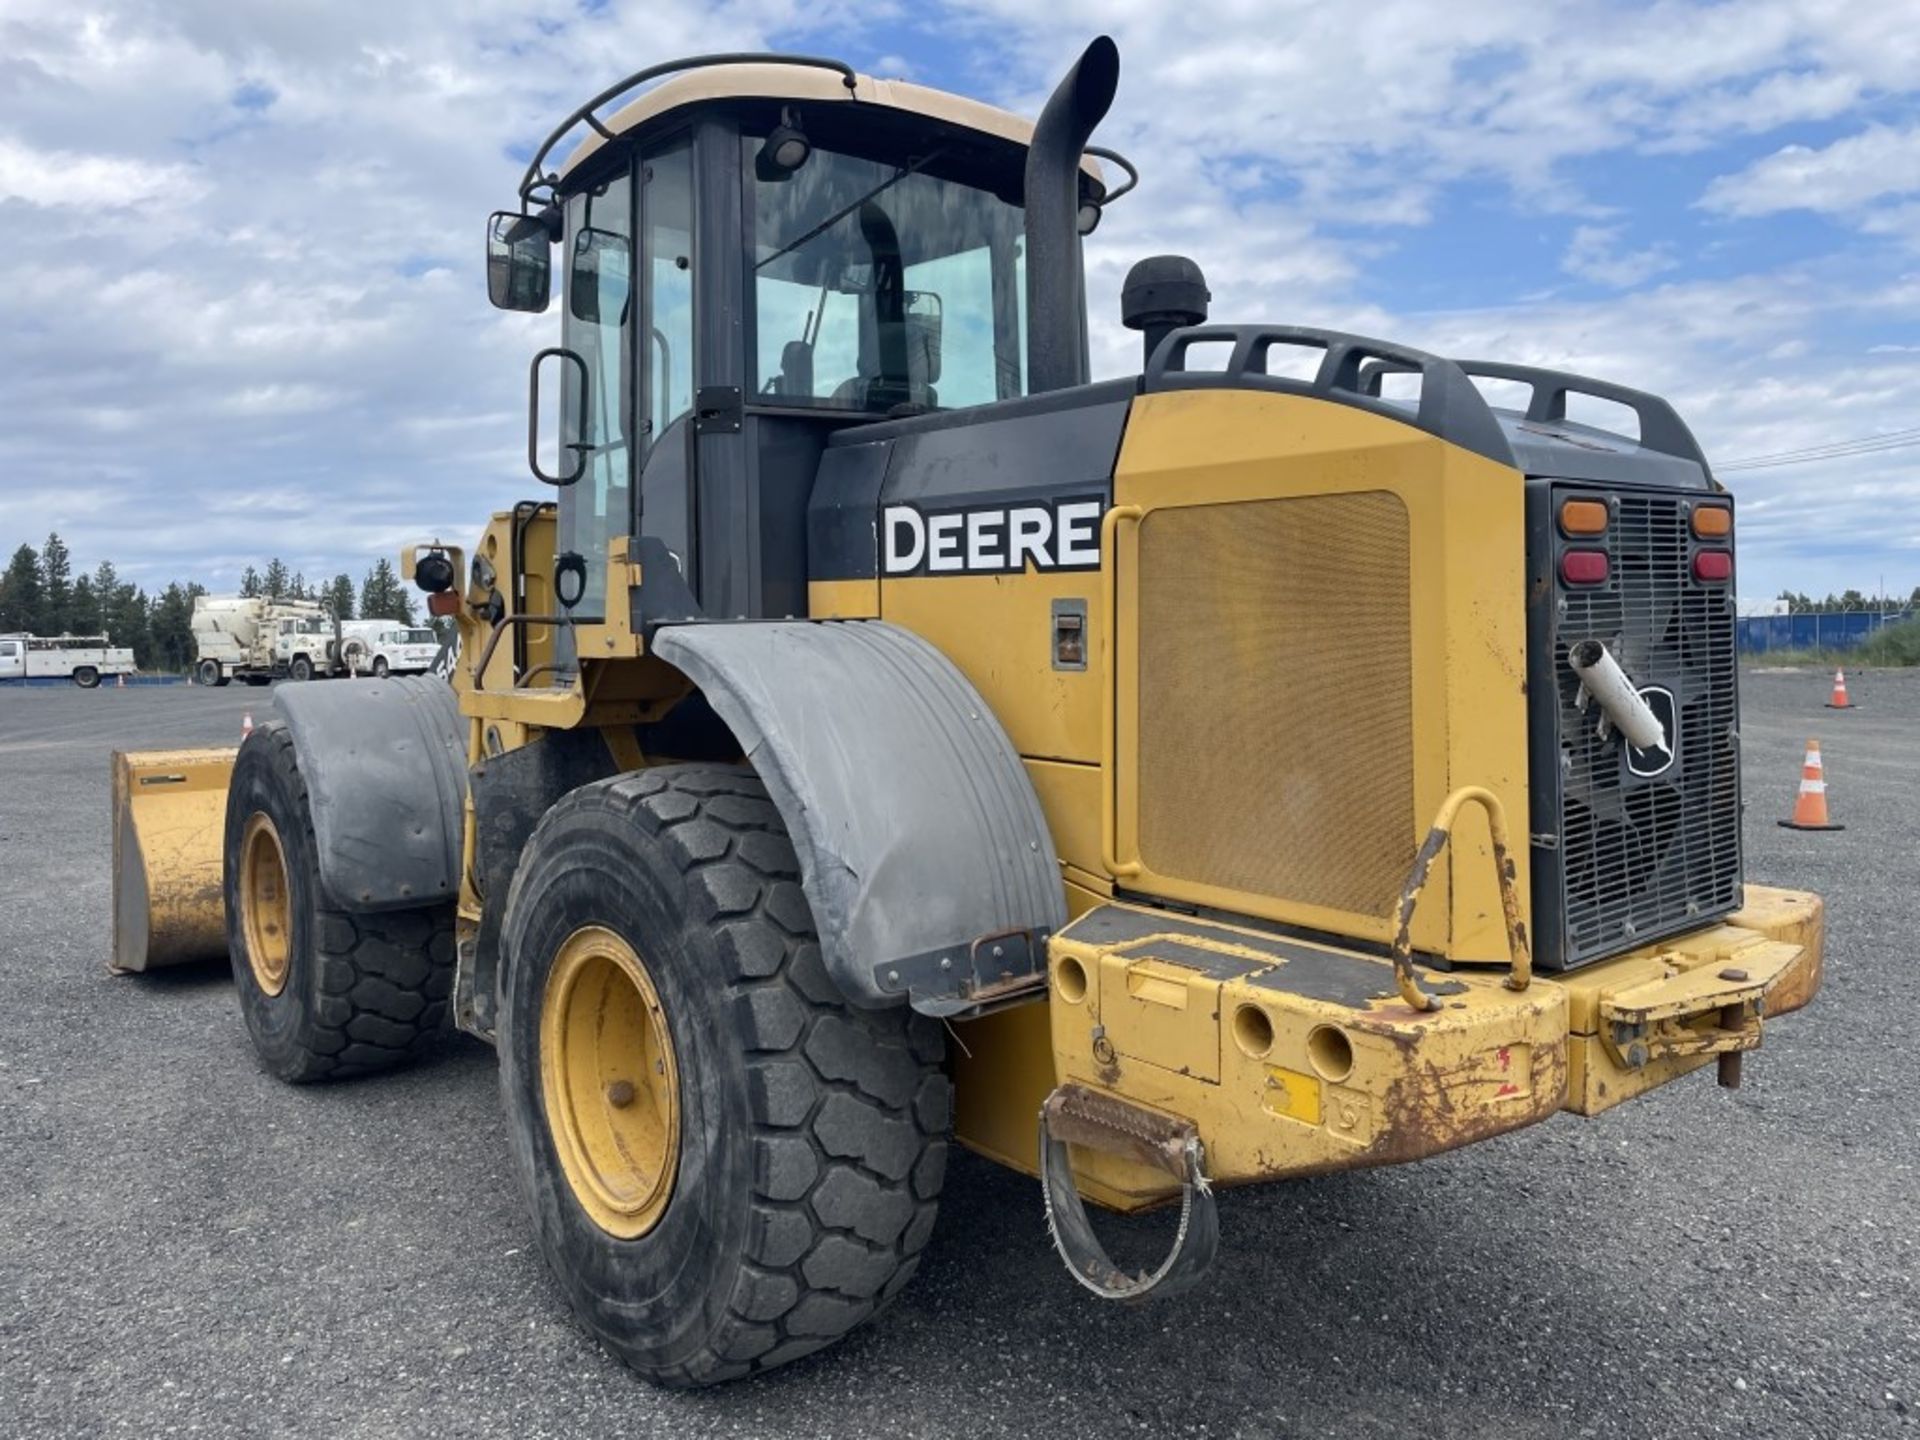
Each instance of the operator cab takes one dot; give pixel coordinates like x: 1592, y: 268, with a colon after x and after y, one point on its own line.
x: 756, y: 254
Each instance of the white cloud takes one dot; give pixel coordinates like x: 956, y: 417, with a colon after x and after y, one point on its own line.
x: 299, y: 357
x: 48, y: 178
x: 1840, y: 178
x: 1594, y: 254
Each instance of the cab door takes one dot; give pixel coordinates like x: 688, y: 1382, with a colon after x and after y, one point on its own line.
x: 13, y: 659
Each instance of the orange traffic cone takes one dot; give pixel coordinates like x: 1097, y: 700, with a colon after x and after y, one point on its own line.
x: 246, y: 729
x: 1810, y: 810
x: 1840, y: 700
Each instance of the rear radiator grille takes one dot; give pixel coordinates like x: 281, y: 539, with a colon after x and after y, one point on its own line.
x: 1275, y: 719
x: 1641, y: 857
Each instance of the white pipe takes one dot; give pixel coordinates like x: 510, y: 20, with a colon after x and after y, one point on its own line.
x: 1603, y: 679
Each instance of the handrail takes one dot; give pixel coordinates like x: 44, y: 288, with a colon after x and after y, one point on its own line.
x: 500, y: 628
x: 1520, y: 969
x: 1101, y: 152
x: 535, y: 178
x: 1450, y: 405
x: 1110, y: 524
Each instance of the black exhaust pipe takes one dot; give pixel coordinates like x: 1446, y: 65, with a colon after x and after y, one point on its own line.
x: 1056, y: 330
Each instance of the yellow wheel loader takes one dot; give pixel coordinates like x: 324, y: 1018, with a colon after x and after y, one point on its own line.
x: 1232, y: 771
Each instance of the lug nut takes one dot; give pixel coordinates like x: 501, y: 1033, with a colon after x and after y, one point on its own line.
x: 620, y: 1094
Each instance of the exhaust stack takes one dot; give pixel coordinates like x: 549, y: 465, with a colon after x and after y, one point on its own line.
x: 1056, y: 331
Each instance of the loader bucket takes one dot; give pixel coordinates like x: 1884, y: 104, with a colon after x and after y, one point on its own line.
x: 169, y: 825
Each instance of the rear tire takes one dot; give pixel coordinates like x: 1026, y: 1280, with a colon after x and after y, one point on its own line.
x: 325, y: 993
x: 86, y: 677
x: 811, y: 1135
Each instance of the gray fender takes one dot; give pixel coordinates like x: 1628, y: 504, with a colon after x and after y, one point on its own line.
x: 923, y: 850
x: 385, y: 763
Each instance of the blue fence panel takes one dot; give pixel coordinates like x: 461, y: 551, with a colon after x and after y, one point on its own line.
x: 1843, y: 630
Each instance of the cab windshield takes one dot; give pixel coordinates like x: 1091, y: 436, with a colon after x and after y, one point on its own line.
x: 882, y: 287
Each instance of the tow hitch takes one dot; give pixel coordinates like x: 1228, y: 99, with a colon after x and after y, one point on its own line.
x: 1076, y: 1115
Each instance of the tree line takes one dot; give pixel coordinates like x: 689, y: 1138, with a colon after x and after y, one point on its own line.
x: 381, y: 595
x: 41, y: 595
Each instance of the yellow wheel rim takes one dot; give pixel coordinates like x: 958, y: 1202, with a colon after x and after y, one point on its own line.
x: 266, y: 910
x: 612, y: 1092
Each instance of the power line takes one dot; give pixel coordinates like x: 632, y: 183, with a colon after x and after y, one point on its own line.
x: 1834, y: 450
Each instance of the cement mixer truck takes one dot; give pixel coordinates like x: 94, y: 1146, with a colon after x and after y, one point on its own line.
x: 258, y: 639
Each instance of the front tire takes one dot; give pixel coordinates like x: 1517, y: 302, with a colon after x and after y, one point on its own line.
x: 805, y: 1140
x: 380, y: 667
x: 325, y: 993
x: 300, y: 669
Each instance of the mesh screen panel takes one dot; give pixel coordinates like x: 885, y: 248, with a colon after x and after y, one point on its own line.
x: 1642, y: 857
x: 1276, y: 714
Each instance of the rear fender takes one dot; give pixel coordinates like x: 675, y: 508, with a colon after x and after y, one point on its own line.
x: 923, y: 850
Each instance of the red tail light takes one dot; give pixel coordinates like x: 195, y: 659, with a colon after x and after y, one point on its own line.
x: 1584, y: 567
x: 1712, y: 566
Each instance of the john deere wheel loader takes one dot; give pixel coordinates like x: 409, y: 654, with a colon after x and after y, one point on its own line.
x: 1259, y: 771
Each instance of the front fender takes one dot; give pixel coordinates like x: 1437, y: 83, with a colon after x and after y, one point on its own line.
x: 923, y: 850
x: 385, y: 763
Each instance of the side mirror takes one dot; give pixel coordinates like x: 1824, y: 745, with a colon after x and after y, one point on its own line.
x: 519, y: 265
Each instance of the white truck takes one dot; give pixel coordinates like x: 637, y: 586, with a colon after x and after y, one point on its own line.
x: 387, y: 647
x: 255, y: 639
x: 83, y: 659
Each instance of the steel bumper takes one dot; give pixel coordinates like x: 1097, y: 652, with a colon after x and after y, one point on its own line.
x: 1294, y: 1058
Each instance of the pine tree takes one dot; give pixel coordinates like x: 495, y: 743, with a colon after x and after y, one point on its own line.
x: 249, y: 583
x: 170, y: 626
x: 297, y: 587
x: 56, y: 585
x: 381, y: 597
x: 339, y: 597
x: 125, y: 617
x: 274, y: 583
x: 83, y: 610
x: 20, y: 605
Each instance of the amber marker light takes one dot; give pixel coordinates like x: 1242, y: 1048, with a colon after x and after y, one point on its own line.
x: 1583, y: 517
x: 1712, y: 522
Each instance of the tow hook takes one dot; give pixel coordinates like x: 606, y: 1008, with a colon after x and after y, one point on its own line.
x: 1076, y: 1115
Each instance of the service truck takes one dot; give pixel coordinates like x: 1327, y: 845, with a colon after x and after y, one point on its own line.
x: 83, y: 659
x: 386, y: 647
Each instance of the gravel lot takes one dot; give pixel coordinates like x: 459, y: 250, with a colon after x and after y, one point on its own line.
x: 187, y: 1247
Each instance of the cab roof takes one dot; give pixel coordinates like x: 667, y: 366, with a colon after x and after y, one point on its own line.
x: 795, y: 83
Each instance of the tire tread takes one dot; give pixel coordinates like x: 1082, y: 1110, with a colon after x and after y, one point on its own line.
x: 850, y: 1107
x: 382, y: 980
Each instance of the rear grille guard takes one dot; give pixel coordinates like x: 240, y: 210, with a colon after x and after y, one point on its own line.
x: 1637, y: 857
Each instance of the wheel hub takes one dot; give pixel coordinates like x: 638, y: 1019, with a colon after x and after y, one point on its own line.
x: 266, y: 908
x: 611, y: 1088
